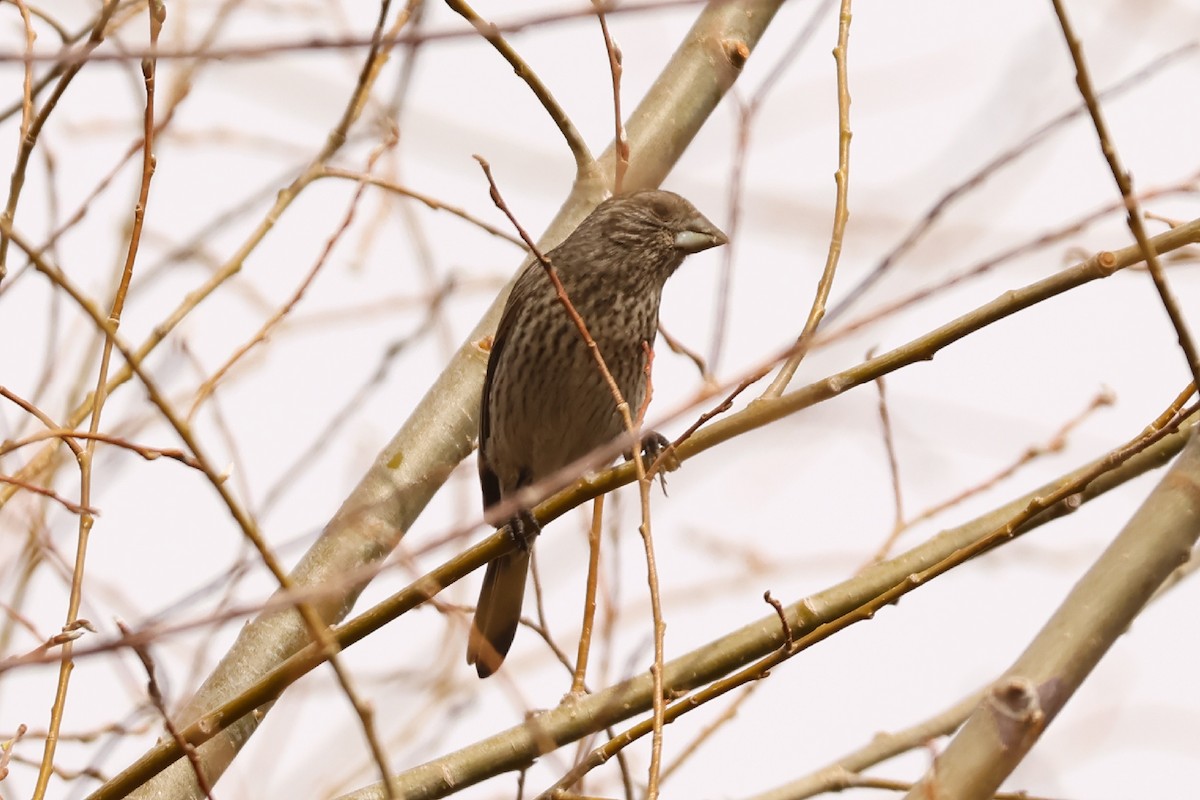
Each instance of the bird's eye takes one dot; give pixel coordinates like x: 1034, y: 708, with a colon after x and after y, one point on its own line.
x: 660, y: 208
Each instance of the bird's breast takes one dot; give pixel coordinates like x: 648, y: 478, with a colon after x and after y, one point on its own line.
x: 549, y: 402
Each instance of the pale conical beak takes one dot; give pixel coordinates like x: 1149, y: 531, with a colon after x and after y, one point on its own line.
x: 700, y: 234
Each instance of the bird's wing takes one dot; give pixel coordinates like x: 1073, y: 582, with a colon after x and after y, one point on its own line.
x: 526, y: 284
x: 488, y: 481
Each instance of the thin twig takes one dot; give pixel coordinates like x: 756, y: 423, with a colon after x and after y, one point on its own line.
x: 41, y: 417
x: 615, y: 68
x: 427, y: 200
x: 852, y: 781
x: 980, y: 176
x: 255, y: 52
x: 841, y: 213
x: 639, y: 466
x: 1056, y: 443
x: 71, y: 437
x: 156, y: 699
x: 1125, y: 186
x: 27, y: 85
x: 747, y: 114
x: 6, y: 749
x: 541, y: 625
x: 682, y: 349
x: 561, y: 294
x: 209, y: 386
x: 889, y: 446
x: 708, y: 731
x: 589, y: 597
x: 880, y: 748
x: 155, y: 13
x: 660, y: 628
x: 1186, y: 186
x: 69, y: 505
x: 32, y: 131
x: 579, y: 149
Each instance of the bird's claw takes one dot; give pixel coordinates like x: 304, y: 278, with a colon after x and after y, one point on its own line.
x: 654, y: 445
x: 523, y: 529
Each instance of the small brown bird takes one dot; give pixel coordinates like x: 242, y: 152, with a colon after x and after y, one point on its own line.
x: 545, y: 402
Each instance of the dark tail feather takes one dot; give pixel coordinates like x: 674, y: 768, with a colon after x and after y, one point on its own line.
x: 498, y: 612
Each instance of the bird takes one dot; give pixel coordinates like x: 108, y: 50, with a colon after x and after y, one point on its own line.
x: 545, y: 403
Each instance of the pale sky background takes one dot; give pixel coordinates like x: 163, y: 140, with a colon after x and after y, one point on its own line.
x: 938, y: 88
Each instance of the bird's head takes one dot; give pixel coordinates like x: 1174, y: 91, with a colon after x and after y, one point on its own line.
x: 651, y: 231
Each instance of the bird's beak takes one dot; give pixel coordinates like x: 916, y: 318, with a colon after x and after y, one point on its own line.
x: 700, y: 234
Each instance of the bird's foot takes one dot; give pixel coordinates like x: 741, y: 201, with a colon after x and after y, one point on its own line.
x: 654, y: 445
x: 523, y: 529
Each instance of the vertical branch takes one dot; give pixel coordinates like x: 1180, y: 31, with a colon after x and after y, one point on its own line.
x: 27, y: 84
x: 578, y: 682
x: 745, y: 116
x: 156, y: 12
x: 840, y: 215
x: 1125, y: 185
x: 584, y: 163
x: 889, y: 446
x: 620, y: 140
x: 160, y: 705
x: 660, y: 627
x: 33, y: 130
x: 747, y: 112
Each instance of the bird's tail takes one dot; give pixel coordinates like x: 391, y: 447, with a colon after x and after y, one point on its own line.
x: 498, y: 611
